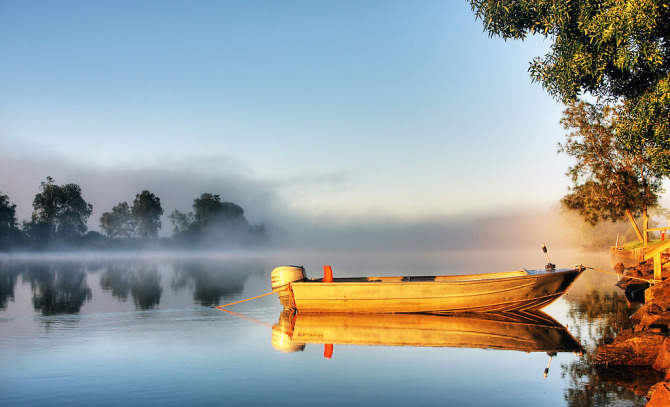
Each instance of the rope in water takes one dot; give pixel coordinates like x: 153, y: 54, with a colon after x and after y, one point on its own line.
x: 220, y: 307
x: 248, y: 318
x: 619, y: 275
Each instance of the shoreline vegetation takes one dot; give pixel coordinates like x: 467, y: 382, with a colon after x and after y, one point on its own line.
x: 60, y: 215
x: 609, y: 64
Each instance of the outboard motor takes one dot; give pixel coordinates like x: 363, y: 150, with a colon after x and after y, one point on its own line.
x: 282, y: 333
x: 280, y: 279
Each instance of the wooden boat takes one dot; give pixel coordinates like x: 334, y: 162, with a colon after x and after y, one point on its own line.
x: 493, y: 292
x: 529, y: 331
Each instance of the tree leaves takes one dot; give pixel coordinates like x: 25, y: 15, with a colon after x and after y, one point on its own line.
x: 614, y: 170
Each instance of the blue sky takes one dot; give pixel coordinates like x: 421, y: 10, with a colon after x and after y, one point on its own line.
x: 344, y: 110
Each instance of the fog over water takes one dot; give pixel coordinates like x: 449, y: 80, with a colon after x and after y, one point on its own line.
x: 177, y: 184
x: 139, y: 328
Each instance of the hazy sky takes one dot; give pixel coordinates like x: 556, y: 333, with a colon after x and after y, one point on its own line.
x: 325, y: 110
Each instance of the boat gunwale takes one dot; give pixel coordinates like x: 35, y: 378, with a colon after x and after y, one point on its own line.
x: 366, y: 281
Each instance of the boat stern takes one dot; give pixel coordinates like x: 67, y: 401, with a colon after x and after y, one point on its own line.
x: 281, y: 279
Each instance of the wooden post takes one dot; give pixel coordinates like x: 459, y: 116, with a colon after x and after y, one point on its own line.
x: 657, y: 267
x: 655, y: 254
x: 645, y: 226
x: 632, y: 221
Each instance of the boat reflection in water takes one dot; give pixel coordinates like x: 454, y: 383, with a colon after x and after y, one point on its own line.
x: 530, y: 331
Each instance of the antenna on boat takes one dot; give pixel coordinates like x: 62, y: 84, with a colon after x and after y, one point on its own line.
x: 549, y: 265
x: 546, y: 369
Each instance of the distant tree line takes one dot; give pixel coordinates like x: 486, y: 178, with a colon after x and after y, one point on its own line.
x: 60, y: 216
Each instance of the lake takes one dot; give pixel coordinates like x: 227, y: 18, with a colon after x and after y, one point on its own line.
x: 141, y: 329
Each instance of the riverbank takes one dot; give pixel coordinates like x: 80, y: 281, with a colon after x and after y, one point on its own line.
x: 647, y: 344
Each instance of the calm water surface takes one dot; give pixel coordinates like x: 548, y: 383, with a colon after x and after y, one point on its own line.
x: 140, y: 330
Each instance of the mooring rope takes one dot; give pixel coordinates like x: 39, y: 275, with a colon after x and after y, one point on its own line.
x: 245, y: 300
x: 620, y: 275
x: 248, y: 318
x: 221, y: 307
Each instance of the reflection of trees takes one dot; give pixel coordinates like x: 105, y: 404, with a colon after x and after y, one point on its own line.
x: 8, y: 276
x: 117, y: 280
x: 211, y: 281
x: 58, y: 288
x: 146, y: 288
x: 603, y: 316
x: 141, y: 281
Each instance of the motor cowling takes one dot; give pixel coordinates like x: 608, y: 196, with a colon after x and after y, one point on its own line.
x: 283, y: 275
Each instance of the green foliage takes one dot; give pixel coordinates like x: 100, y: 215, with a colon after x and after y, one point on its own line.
x: 119, y: 222
x: 58, y: 211
x: 613, y: 172
x: 609, y: 48
x: 8, y: 225
x: 146, y: 212
x: 619, y: 52
x: 643, y: 126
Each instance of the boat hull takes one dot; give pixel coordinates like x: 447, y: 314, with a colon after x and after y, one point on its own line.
x: 448, y: 294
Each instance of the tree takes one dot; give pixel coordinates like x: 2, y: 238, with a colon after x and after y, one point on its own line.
x: 146, y: 213
x: 181, y: 222
x: 210, y: 210
x: 609, y: 48
x: 619, y: 52
x: 8, y: 225
x: 215, y: 221
x: 118, y: 222
x: 610, y: 179
x: 58, y: 211
x: 209, y: 213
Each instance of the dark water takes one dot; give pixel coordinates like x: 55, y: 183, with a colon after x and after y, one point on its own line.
x: 141, y: 330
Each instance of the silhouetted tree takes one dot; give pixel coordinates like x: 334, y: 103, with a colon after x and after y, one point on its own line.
x: 181, y: 222
x: 8, y: 226
x: 209, y: 210
x: 118, y: 222
x: 58, y: 211
x: 147, y: 212
x: 215, y: 221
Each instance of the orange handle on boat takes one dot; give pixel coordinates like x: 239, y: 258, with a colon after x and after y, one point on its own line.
x: 328, y: 350
x: 327, y: 274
